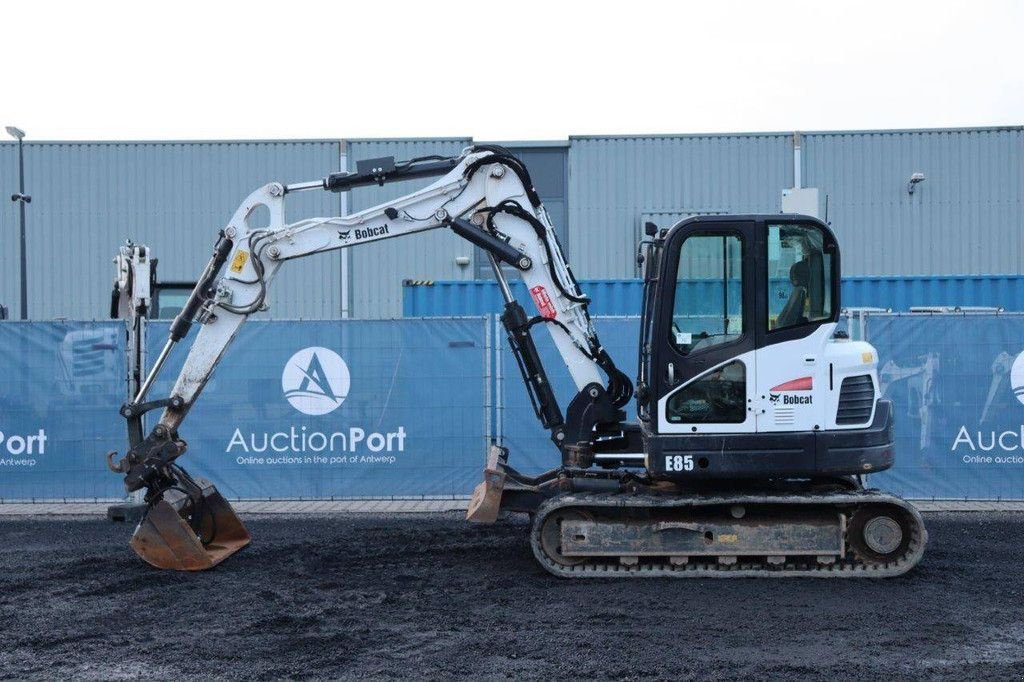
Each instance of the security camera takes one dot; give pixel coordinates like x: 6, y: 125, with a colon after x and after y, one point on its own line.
x: 914, y: 179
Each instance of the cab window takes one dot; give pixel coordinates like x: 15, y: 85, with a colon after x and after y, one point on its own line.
x: 719, y: 397
x: 708, y: 304
x: 800, y: 276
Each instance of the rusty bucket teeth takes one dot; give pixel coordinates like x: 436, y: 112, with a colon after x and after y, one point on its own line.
x: 180, y: 534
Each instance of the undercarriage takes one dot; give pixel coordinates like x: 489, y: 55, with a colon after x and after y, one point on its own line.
x: 624, y: 525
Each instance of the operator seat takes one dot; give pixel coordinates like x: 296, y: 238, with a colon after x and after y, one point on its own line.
x: 793, y: 312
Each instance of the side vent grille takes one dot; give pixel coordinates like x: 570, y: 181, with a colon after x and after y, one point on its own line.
x: 856, y: 400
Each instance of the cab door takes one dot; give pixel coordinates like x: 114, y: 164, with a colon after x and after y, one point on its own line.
x: 796, y: 318
x: 702, y: 343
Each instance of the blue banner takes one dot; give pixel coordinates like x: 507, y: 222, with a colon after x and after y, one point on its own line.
x: 392, y: 408
x: 530, y: 446
x: 62, y: 385
x: 957, y: 383
x: 340, y: 408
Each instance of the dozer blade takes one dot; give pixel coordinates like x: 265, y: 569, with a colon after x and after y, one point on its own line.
x: 486, y: 501
x: 182, y: 533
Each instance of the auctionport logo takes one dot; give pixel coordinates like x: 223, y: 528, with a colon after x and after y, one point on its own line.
x: 1017, y: 377
x: 18, y: 450
x: 315, y: 380
x: 981, y: 447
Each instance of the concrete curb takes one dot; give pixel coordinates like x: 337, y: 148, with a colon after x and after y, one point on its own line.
x: 257, y: 507
x: 254, y: 507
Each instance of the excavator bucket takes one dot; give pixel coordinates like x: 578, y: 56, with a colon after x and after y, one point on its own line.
x: 189, y: 533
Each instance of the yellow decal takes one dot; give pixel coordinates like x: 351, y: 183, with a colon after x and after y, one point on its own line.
x: 238, y: 262
x: 868, y: 358
x: 728, y: 537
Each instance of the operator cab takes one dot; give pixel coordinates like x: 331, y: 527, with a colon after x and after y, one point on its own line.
x: 740, y: 343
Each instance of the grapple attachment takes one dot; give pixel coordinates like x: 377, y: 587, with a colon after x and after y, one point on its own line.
x: 190, y: 531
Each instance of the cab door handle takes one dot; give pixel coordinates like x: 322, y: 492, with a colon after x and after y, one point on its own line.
x: 671, y: 374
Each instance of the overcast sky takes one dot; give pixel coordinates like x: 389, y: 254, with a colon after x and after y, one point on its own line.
x: 512, y: 70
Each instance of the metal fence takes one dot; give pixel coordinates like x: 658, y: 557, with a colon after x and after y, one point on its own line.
x: 296, y: 410
x: 60, y: 386
x: 406, y: 408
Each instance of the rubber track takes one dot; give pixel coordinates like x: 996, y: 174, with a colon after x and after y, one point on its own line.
x: 745, y: 567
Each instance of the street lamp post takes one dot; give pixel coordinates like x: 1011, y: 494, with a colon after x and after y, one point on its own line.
x: 22, y: 199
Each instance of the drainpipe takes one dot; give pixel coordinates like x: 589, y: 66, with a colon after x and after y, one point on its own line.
x: 797, y: 165
x: 343, y: 196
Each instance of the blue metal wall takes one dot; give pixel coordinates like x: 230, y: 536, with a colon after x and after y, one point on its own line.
x: 623, y: 296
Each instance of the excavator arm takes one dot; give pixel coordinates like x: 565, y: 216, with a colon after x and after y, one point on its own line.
x: 485, y: 196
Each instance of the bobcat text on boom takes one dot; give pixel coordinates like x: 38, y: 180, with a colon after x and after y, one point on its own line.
x: 24, y: 445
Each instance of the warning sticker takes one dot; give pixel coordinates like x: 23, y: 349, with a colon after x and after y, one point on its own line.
x: 238, y: 262
x: 543, y: 302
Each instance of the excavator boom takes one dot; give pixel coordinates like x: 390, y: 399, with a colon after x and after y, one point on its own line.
x: 485, y: 196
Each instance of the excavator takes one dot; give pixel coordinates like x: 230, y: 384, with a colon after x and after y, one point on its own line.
x: 757, y: 417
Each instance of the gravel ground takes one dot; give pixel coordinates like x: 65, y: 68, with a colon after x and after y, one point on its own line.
x: 364, y: 596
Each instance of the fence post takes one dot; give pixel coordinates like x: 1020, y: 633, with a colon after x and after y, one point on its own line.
x: 499, y: 383
x: 487, y: 385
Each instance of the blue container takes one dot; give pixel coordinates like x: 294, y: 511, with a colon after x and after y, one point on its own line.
x: 623, y: 296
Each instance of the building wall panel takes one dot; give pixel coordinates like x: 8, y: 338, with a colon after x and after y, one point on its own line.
x: 378, y: 269
x: 967, y: 217
x: 87, y: 198
x: 9, y: 230
x: 615, y: 181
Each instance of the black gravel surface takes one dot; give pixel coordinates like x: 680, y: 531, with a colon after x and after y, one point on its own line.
x: 434, y: 597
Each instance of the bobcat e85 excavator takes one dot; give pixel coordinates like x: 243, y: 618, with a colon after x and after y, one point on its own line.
x: 756, y: 417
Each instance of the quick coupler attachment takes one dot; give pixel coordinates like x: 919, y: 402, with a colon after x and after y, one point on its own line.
x: 188, y: 525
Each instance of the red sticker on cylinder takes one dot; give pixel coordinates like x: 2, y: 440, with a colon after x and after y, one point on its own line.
x: 543, y: 301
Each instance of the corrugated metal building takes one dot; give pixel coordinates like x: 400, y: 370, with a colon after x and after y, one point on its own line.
x: 87, y: 198
x: 966, y: 217
x: 377, y: 270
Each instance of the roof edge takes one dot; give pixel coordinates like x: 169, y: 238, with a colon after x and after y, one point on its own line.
x: 333, y: 140
x: 789, y: 133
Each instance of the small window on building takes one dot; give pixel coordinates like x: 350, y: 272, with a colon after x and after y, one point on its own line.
x: 800, y: 274
x: 718, y: 397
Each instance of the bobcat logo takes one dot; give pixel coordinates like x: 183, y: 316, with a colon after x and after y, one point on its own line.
x: 774, y: 398
x: 345, y: 236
